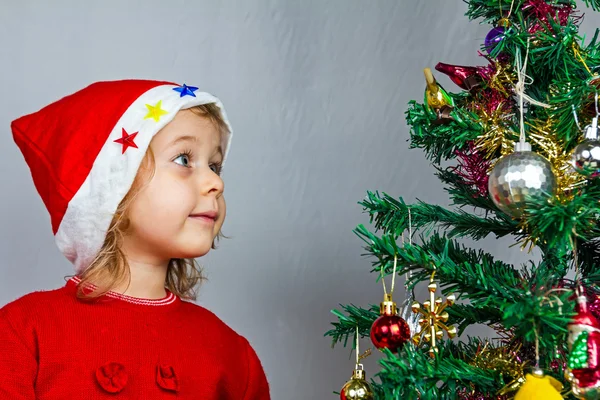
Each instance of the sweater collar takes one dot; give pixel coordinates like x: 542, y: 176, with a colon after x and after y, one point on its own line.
x: 167, y: 302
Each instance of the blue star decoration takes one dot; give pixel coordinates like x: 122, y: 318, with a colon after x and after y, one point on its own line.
x: 186, y: 90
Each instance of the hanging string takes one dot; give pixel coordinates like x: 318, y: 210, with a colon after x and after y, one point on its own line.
x: 409, y: 273
x: 394, y: 272
x: 575, y: 116
x: 512, y: 3
x: 520, y: 88
x: 537, y: 346
x: 393, y: 276
x: 407, y: 314
x: 359, y: 356
x: 523, y: 80
x: 573, y: 242
x: 357, y: 350
x: 548, y: 298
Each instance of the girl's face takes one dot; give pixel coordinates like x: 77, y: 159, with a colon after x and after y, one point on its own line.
x: 186, y: 181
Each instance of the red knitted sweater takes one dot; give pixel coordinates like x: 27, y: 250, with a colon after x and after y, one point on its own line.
x: 55, y: 346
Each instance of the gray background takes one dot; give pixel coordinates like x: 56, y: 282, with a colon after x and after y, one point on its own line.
x: 316, y: 91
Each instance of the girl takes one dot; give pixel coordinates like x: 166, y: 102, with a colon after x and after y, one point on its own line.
x: 130, y: 173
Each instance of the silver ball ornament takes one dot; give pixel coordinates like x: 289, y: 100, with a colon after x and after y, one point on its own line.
x: 586, y: 158
x: 520, y: 177
x: 586, y: 155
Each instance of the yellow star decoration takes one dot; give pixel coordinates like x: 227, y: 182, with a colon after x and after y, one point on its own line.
x: 433, y: 318
x: 155, y: 112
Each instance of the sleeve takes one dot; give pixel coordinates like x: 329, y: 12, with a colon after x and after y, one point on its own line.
x: 18, y: 365
x: 257, y: 387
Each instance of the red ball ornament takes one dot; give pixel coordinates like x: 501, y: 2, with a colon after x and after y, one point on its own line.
x: 389, y: 330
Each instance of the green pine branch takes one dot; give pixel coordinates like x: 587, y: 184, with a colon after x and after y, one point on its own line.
x: 457, y: 268
x: 555, y: 223
x: 441, y: 141
x: 351, y: 317
x: 491, y: 10
x: 463, y: 195
x: 588, y: 253
x: 519, y: 300
x: 413, y: 374
x: 477, y: 276
x: 465, y: 315
x: 392, y: 215
x: 595, y: 4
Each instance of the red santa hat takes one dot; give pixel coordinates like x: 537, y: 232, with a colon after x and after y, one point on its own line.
x: 85, y: 149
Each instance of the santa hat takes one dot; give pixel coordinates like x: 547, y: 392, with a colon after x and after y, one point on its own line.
x: 85, y: 149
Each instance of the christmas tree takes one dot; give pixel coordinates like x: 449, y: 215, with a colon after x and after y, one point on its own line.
x: 520, y: 133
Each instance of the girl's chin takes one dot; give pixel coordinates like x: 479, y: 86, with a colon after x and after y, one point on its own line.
x: 194, y: 251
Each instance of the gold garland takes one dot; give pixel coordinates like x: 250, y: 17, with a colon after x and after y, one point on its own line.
x: 497, y: 137
x: 503, y: 360
x: 553, y: 150
x: 504, y: 77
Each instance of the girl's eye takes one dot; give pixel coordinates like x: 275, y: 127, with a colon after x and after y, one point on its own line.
x: 186, y: 161
x: 185, y: 157
x: 218, y: 168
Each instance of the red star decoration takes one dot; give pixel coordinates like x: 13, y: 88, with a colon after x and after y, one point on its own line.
x: 127, y: 140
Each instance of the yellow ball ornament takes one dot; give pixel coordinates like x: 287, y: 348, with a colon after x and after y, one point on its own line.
x: 537, y: 386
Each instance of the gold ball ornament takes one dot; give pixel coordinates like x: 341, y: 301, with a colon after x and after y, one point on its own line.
x: 357, y: 388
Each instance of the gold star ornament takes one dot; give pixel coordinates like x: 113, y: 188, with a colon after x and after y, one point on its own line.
x: 433, y: 319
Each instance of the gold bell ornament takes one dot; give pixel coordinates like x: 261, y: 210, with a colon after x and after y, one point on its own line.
x: 538, y: 386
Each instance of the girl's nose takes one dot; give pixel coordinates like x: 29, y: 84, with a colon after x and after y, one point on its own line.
x: 211, y: 182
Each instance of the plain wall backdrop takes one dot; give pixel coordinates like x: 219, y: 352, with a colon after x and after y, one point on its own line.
x: 316, y: 91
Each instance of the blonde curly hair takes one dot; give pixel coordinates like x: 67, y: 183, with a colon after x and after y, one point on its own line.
x: 110, y: 267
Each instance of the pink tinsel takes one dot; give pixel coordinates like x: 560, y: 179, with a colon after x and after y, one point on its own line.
x: 488, y: 71
x: 491, y: 102
x: 472, y: 168
x: 541, y: 10
x: 491, y: 99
